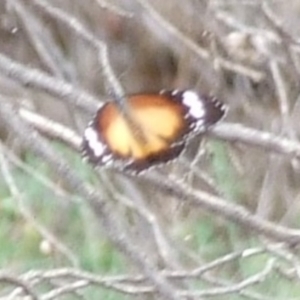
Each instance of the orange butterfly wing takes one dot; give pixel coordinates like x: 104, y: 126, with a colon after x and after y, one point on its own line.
x: 160, y: 120
x: 163, y: 122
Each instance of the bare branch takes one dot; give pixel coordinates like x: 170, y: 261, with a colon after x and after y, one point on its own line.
x: 37, y: 144
x: 196, y: 49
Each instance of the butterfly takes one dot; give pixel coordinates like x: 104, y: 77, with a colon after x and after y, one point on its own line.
x: 162, y: 123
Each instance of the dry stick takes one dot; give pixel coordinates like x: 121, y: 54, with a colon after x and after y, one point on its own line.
x: 229, y: 132
x: 52, y: 129
x: 283, y: 97
x: 288, y: 45
x: 20, y: 283
x: 104, y: 4
x: 65, y: 289
x: 163, y: 245
x: 85, y: 279
x: 100, y: 208
x: 38, y: 79
x: 119, y: 283
x: 32, y: 172
x: 266, y: 140
x: 73, y: 24
x: 218, y: 206
x: 80, y: 284
x: 237, y: 288
x: 29, y: 216
x: 255, y: 138
x: 126, y: 283
x: 39, y: 39
x: 48, y: 51
x: 225, y: 209
x: 69, y: 273
x: 232, y: 22
x: 196, y: 49
x: 102, y: 51
x: 277, y: 24
x: 285, y: 254
x: 246, y: 294
x: 53, y: 86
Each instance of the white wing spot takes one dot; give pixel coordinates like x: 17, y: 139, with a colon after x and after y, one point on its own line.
x: 92, y: 138
x: 194, y: 103
x: 107, y: 159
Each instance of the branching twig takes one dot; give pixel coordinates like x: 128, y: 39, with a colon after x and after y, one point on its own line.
x: 20, y: 283
x: 39, y: 80
x: 29, y: 216
x: 264, y: 140
x: 196, y: 49
x: 220, y: 207
x: 100, y: 208
x: 101, y: 48
x: 234, y: 212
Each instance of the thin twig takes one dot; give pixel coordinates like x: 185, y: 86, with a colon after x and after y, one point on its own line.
x: 20, y: 283
x: 255, y: 279
x: 196, y: 49
x: 40, y: 39
x: 30, y: 217
x: 37, y: 79
x: 229, y: 132
x: 101, y: 47
x: 54, y: 188
x: 261, y: 139
x: 52, y: 129
x: 220, y: 207
x: 113, y: 8
x: 106, y: 219
x: 234, y: 212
